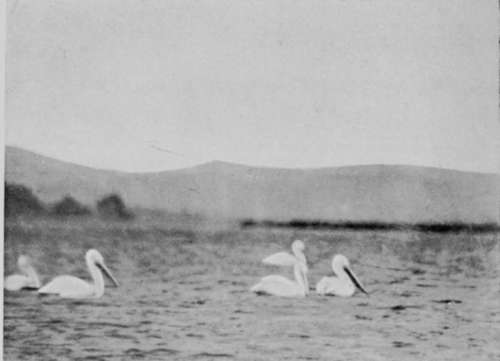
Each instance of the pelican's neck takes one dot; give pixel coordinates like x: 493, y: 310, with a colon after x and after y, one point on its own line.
x: 301, y: 258
x: 299, y: 255
x: 97, y: 277
x: 30, y: 271
x: 300, y: 277
x: 340, y: 272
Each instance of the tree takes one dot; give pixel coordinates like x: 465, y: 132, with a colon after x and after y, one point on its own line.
x: 68, y: 206
x: 20, y: 200
x: 112, y: 206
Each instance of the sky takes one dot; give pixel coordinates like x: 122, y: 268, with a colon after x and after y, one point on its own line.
x: 156, y: 85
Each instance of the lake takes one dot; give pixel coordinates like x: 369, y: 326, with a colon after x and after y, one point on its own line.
x: 184, y: 295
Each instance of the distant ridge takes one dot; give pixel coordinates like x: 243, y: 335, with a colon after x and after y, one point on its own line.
x: 387, y: 193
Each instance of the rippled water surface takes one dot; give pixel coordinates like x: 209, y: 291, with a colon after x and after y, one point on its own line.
x: 184, y: 295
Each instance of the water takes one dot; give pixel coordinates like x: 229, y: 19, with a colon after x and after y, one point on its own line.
x: 184, y: 296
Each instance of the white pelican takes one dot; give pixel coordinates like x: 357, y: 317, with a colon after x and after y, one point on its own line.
x: 344, y: 283
x: 72, y: 287
x: 281, y: 286
x: 28, y: 278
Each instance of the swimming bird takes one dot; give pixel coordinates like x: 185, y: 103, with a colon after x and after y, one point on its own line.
x: 73, y: 287
x: 281, y: 286
x: 345, y: 282
x: 28, y: 279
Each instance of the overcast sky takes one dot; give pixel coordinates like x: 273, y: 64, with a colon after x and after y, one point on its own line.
x: 154, y: 85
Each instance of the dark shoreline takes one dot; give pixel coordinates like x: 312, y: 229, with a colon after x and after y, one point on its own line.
x: 374, y: 226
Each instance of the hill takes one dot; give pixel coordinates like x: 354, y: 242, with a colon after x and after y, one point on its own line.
x: 388, y: 193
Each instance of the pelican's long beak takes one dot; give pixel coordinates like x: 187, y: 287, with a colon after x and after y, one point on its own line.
x: 306, y: 281
x: 107, y: 272
x: 354, y: 279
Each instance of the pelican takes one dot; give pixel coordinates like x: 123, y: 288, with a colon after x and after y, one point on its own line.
x: 73, y: 287
x: 281, y: 286
x: 28, y: 279
x: 344, y: 283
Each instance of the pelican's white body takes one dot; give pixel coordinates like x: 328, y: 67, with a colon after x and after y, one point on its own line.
x: 28, y: 278
x: 73, y: 287
x: 341, y: 284
x: 281, y: 286
x: 337, y: 286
